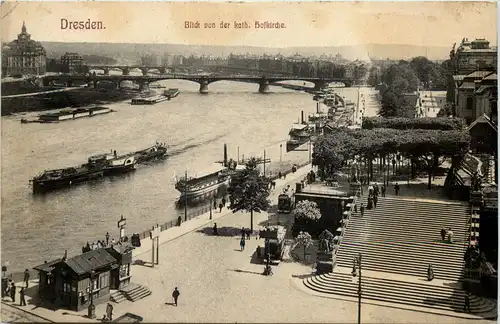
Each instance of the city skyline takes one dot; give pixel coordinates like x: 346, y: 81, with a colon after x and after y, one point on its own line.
x: 307, y: 24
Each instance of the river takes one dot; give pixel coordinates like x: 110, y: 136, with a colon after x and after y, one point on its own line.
x: 195, y: 126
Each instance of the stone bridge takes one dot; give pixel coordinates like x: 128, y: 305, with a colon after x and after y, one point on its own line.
x: 144, y: 80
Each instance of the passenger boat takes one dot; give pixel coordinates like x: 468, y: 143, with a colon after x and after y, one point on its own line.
x: 149, y: 100
x: 59, y: 178
x: 112, y: 164
x: 171, y: 93
x: 299, y: 135
x: 155, y: 152
x: 68, y: 114
x: 206, y: 182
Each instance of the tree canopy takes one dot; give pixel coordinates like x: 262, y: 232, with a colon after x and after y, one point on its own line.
x: 440, y: 123
x: 248, y: 191
x: 332, y: 151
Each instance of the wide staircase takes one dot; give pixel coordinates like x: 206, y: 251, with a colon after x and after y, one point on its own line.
x: 397, y: 241
x: 132, y: 293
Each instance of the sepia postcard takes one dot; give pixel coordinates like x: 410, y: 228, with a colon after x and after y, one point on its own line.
x: 253, y: 162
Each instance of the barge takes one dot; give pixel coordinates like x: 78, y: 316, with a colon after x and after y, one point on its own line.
x: 112, y: 164
x: 149, y: 100
x: 68, y: 114
x: 155, y: 152
x: 60, y: 178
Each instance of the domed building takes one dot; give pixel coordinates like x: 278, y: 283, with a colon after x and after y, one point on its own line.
x: 23, y: 56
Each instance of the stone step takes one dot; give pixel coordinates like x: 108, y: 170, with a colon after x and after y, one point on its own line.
x: 133, y: 294
x: 399, y: 292
x: 399, y: 234
x: 420, y: 249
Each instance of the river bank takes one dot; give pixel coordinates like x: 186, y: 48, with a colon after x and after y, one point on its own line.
x: 75, y: 98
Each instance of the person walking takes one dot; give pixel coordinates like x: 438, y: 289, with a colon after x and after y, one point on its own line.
x: 214, y: 229
x: 26, y: 277
x: 107, y: 238
x: 443, y: 233
x: 13, y: 292
x: 362, y: 209
x: 220, y: 207
x: 383, y: 190
x: 375, y: 200
x: 467, y: 303
x: 223, y: 202
x: 175, y: 295
x: 109, y: 312
x: 242, y: 244
x: 396, y: 189
x: 21, y: 296
x: 450, y: 235
x: 243, y: 232
x: 430, y: 273
x: 215, y: 203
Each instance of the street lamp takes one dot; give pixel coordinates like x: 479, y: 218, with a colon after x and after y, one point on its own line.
x: 90, y: 288
x: 357, y: 272
x: 281, y: 151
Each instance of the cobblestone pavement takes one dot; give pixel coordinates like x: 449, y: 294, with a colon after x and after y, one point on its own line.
x: 10, y: 314
x: 219, y: 283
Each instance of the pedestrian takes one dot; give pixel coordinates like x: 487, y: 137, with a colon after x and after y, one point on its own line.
x: 215, y: 229
x: 443, y: 233
x: 179, y: 220
x: 430, y: 273
x: 13, y: 292
x: 223, y: 202
x: 21, y: 296
x: 279, y: 175
x: 362, y: 209
x: 243, y: 232
x: 383, y: 190
x: 215, y: 203
x: 450, y: 235
x: 375, y: 200
x: 220, y: 207
x: 355, y: 208
x: 249, y: 232
x: 109, y: 312
x: 396, y: 189
x: 467, y: 303
x: 26, y: 277
x: 107, y: 238
x: 175, y: 295
x: 242, y: 244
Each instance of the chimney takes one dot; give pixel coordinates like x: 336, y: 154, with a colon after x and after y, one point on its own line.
x: 225, y: 155
x: 302, y: 117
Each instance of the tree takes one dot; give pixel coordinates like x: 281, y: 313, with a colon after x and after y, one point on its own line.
x: 249, y: 191
x: 305, y: 240
x: 306, y: 209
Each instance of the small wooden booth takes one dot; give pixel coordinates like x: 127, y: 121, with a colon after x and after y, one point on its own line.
x: 77, y: 282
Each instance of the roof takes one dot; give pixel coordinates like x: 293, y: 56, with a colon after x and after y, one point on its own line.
x: 467, y: 85
x: 483, y: 88
x: 492, y: 76
x: 214, y: 168
x: 92, y: 260
x: 484, y: 119
x: 47, y: 267
x: 298, y: 126
x: 458, y: 77
x: 478, y: 74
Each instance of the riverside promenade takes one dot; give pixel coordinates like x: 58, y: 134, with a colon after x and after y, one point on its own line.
x: 219, y: 283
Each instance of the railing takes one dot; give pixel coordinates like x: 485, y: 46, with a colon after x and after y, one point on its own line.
x: 344, y: 223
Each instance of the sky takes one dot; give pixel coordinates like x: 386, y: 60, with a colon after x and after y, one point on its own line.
x: 307, y: 24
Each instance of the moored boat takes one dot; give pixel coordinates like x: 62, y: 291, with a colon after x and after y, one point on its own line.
x: 68, y: 114
x: 171, y: 93
x: 299, y: 134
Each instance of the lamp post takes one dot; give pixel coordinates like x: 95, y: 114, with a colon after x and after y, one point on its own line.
x: 357, y: 262
x: 185, y: 197
x: 281, y: 152
x: 91, y: 308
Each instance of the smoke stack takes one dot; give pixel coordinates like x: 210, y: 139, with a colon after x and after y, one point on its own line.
x: 317, y: 107
x: 302, y: 117
x: 225, y: 155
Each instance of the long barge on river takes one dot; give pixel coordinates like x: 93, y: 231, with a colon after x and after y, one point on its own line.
x: 97, y: 167
x: 151, y: 100
x: 68, y: 114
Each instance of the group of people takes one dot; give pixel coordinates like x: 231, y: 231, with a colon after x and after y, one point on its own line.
x: 222, y: 204
x: 9, y: 288
x: 100, y: 244
x: 447, y: 235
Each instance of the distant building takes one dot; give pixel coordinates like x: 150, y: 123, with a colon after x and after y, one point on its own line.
x: 476, y: 94
x: 23, y: 56
x: 474, y: 55
x: 71, y: 62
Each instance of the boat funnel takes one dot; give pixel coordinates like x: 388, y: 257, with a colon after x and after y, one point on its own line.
x: 225, y: 155
x: 302, y: 117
